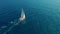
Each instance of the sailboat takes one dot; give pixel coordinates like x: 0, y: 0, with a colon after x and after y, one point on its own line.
x: 22, y: 17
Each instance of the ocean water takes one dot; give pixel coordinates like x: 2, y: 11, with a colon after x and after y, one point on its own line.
x: 42, y: 16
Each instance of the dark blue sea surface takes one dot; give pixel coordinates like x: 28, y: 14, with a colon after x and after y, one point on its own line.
x: 42, y: 16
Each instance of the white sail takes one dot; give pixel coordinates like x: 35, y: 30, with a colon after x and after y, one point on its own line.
x: 22, y: 18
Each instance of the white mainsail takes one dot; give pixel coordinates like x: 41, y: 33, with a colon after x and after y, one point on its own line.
x: 22, y: 18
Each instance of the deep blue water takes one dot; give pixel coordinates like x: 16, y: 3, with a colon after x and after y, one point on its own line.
x: 42, y: 16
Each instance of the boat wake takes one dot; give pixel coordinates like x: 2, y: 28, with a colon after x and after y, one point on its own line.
x: 16, y: 22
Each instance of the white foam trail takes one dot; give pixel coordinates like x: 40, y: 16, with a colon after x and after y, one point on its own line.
x: 11, y: 22
x: 3, y: 26
x: 9, y: 29
x: 21, y: 19
x: 15, y: 24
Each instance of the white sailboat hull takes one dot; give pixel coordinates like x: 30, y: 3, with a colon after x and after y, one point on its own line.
x: 22, y: 18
